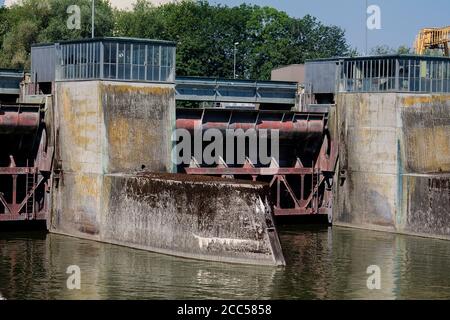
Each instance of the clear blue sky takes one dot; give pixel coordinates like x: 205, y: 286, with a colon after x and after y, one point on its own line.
x: 401, y: 20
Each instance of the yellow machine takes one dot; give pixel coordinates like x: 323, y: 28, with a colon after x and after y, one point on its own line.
x: 433, y: 38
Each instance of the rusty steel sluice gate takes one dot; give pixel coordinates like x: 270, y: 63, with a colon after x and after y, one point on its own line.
x: 25, y: 163
x: 301, y: 179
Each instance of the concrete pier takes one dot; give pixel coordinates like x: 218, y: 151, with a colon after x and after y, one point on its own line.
x: 114, y: 182
x: 394, y: 162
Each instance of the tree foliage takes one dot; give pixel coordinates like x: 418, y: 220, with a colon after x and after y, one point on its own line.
x: 205, y: 34
x: 383, y: 50
x: 44, y: 21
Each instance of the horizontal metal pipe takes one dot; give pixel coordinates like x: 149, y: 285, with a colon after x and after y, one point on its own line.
x: 17, y: 170
x: 289, y: 124
x: 249, y: 171
x: 13, y: 122
x: 286, y: 129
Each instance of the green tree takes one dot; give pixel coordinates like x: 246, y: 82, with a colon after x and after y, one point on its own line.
x: 404, y: 50
x: 43, y: 21
x: 384, y: 49
x: 205, y: 36
x: 381, y: 50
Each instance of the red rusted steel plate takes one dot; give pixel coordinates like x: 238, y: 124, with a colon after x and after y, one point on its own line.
x: 285, y: 122
x: 18, y: 121
x: 297, y: 190
x: 17, y: 170
x: 249, y: 171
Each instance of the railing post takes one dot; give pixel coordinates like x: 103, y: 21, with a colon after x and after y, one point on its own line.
x: 397, y: 75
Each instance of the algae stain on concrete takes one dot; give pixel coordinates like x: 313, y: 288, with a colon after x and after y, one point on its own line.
x: 425, y: 99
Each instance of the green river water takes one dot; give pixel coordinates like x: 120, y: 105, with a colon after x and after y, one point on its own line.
x: 322, y: 263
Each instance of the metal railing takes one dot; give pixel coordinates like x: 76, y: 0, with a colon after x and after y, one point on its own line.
x: 233, y: 90
x: 116, y: 59
x: 395, y: 73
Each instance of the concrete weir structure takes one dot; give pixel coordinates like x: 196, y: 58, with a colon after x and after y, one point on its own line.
x: 114, y: 115
x: 394, y: 145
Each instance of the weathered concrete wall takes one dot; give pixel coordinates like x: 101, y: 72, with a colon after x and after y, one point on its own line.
x: 367, y: 160
x: 108, y: 135
x: 139, y: 123
x: 425, y: 164
x: 426, y: 205
x: 115, y: 127
x: 391, y: 148
x: 426, y: 134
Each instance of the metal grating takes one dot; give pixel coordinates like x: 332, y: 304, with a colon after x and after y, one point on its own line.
x: 399, y: 73
x: 233, y: 90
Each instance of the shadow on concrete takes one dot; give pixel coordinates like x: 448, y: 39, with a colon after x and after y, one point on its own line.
x: 319, y: 220
x: 20, y: 226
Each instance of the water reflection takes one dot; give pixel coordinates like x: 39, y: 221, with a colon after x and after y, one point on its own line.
x: 323, y: 263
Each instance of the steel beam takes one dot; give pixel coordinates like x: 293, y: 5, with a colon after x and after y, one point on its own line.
x: 19, y: 118
x: 233, y: 90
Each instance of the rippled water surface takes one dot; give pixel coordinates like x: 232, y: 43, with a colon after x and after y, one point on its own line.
x: 323, y: 263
